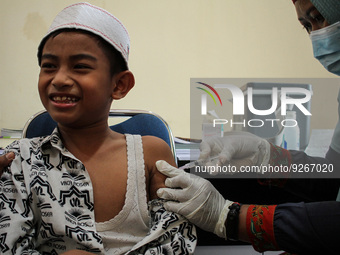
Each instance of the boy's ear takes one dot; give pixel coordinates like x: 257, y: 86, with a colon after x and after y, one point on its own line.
x: 124, y: 82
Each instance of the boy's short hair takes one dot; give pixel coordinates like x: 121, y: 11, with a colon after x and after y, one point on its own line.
x: 93, y: 20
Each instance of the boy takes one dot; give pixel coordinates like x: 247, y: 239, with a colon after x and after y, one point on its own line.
x: 85, y: 188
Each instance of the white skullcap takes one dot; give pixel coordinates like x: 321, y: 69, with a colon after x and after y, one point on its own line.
x: 96, y: 20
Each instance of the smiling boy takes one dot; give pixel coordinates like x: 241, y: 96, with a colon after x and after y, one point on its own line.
x: 85, y: 188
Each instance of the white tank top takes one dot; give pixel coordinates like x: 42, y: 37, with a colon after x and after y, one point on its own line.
x: 130, y: 225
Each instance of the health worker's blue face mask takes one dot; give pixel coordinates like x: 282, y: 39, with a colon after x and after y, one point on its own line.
x: 326, y: 47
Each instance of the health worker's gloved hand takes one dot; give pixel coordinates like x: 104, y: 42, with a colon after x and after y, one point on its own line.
x: 236, y: 149
x: 195, y: 198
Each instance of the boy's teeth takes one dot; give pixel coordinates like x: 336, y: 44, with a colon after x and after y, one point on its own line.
x: 64, y: 98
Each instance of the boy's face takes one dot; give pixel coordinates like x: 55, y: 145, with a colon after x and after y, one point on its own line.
x: 75, y: 84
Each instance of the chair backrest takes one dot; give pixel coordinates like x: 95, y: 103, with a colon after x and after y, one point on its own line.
x: 138, y: 122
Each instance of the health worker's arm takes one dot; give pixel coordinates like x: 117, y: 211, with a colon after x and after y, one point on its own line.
x: 299, y: 228
x: 312, y: 190
x: 245, y: 149
x: 295, y: 227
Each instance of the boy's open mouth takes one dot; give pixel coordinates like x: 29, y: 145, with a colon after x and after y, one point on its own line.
x: 64, y: 99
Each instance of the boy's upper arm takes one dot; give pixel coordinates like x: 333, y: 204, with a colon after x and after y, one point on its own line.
x: 156, y: 149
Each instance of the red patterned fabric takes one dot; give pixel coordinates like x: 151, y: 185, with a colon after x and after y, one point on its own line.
x: 260, y: 227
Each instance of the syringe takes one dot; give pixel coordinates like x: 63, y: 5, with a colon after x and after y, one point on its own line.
x: 198, y: 162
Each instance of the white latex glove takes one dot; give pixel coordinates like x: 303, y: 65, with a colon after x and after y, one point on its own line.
x: 237, y: 149
x: 195, y: 198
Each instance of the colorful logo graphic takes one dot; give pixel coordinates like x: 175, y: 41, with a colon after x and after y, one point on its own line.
x: 209, y: 93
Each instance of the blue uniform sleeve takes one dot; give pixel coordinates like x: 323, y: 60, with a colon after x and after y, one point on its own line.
x: 308, y: 228
x: 313, y: 190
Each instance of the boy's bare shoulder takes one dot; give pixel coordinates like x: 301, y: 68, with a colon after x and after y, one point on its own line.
x: 157, y: 149
x: 153, y: 142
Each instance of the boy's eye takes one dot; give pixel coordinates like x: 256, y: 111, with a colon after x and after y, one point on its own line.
x: 47, y: 65
x: 82, y: 66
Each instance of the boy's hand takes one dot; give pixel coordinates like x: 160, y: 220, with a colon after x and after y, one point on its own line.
x: 5, y: 160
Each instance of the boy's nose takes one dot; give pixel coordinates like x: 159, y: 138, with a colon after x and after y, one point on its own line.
x: 62, y: 79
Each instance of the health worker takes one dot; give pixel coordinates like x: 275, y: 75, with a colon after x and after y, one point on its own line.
x: 302, y: 228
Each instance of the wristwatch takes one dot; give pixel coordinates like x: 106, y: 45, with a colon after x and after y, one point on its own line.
x: 232, y: 221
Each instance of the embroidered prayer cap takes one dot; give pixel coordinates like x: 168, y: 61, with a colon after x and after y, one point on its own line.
x: 96, y: 20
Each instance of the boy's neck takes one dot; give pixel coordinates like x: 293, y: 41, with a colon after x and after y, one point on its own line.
x: 86, y: 140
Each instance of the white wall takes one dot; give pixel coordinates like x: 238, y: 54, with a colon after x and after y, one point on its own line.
x: 171, y: 42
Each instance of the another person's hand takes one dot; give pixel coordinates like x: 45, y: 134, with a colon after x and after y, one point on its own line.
x: 5, y: 160
x: 237, y: 149
x: 195, y: 198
